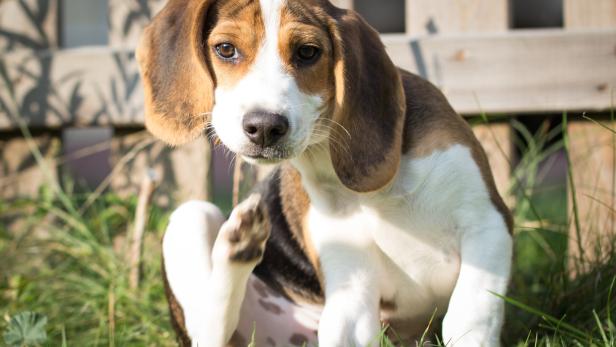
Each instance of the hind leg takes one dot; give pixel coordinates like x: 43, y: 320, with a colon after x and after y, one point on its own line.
x: 187, y: 261
x: 207, y: 263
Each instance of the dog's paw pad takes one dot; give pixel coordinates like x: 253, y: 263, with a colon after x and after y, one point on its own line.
x: 246, y: 231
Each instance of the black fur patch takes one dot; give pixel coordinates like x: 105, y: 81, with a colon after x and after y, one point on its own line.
x: 285, y: 265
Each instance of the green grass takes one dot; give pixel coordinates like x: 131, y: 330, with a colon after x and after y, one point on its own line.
x: 73, y: 270
x: 70, y: 268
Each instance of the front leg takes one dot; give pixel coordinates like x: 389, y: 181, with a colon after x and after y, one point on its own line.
x: 350, y: 317
x: 475, y: 315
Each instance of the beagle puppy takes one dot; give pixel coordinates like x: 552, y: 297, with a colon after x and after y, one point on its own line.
x: 382, y: 211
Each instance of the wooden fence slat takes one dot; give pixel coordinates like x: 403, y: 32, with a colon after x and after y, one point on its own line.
x: 496, y: 141
x: 518, y: 72
x: 527, y: 71
x: 17, y: 30
x: 184, y: 170
x: 86, y: 86
x: 20, y: 174
x: 127, y: 18
x: 590, y: 14
x: 592, y: 164
x: 459, y: 16
x: 592, y: 150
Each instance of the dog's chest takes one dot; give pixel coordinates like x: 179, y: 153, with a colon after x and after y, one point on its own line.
x: 420, y: 259
x: 415, y: 258
x: 412, y: 232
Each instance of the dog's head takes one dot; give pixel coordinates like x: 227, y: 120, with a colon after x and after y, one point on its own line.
x: 274, y: 77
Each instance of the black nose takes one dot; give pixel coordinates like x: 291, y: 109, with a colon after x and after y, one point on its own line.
x: 265, y: 129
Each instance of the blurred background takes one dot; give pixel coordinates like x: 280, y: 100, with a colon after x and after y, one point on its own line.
x: 85, y: 191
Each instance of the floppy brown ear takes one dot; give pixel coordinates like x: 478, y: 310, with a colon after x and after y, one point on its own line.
x: 178, y: 86
x: 370, y: 105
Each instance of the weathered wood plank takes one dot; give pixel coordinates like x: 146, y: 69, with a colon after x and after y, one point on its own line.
x: 20, y: 30
x: 184, y: 171
x: 20, y: 174
x: 496, y: 139
x: 592, y: 153
x: 93, y: 86
x: 127, y: 18
x: 447, y: 16
x: 519, y: 72
x: 590, y: 14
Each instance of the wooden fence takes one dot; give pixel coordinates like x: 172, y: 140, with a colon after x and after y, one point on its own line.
x: 468, y: 48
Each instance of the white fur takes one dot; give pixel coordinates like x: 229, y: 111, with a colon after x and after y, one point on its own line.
x: 432, y: 233
x: 266, y: 87
x: 187, y: 247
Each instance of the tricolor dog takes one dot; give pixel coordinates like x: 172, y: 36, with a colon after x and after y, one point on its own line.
x: 382, y: 210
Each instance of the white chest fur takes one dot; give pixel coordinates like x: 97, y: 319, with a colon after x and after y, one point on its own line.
x: 406, y: 239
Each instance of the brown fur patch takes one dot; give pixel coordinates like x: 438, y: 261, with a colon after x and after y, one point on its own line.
x: 295, y: 204
x: 300, y: 25
x: 177, y: 81
x: 286, y: 267
x: 271, y: 307
x: 359, y: 83
x: 180, y: 71
x: 432, y: 125
x: 387, y: 305
x: 369, y: 105
x: 299, y: 340
x: 241, y: 24
x: 237, y: 340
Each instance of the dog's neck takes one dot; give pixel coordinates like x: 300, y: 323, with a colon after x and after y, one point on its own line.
x: 321, y: 181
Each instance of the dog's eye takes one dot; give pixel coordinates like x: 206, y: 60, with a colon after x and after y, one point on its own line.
x: 226, y: 51
x: 308, y: 54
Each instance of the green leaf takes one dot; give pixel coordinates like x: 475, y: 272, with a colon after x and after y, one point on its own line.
x: 26, y: 329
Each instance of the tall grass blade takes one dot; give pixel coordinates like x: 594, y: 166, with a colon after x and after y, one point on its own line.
x: 610, y: 322
x: 548, y: 318
x: 600, y: 327
x: 571, y: 184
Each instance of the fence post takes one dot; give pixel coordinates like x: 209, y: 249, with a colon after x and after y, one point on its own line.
x: 459, y: 16
x: 20, y: 175
x: 592, y: 154
x: 585, y: 14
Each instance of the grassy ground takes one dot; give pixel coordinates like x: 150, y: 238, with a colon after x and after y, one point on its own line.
x: 64, y: 278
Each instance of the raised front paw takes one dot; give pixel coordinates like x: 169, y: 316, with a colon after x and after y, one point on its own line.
x: 243, y: 236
